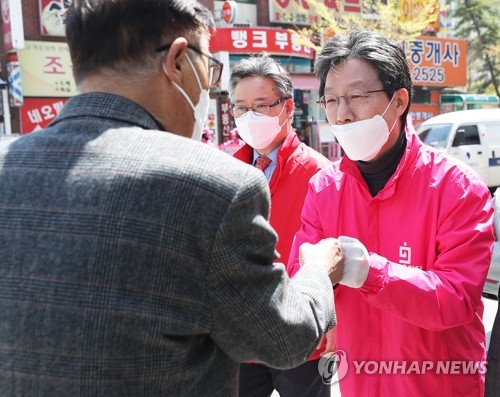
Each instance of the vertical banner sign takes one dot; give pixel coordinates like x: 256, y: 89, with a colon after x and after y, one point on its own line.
x: 212, y: 122
x: 6, y: 25
x: 12, y: 25
x: 14, y: 81
x: 225, y: 117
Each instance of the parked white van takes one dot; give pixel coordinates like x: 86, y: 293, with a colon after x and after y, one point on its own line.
x: 472, y: 136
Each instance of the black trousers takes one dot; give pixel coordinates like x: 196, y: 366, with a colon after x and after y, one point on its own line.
x: 257, y: 380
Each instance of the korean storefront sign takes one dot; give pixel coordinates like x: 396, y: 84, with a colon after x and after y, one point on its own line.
x: 46, y: 70
x: 255, y: 40
x: 37, y: 113
x: 52, y: 17
x: 421, y: 112
x: 437, y: 61
x: 300, y: 12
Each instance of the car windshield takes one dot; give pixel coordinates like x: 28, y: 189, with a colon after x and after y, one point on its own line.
x: 435, y: 135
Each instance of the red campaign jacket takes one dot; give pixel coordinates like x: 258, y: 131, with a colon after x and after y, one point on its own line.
x: 297, y: 163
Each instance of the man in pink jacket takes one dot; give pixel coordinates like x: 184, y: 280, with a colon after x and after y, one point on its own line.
x: 417, y: 229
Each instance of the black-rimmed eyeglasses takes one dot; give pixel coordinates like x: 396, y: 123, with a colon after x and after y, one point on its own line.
x: 214, y: 65
x: 353, y: 98
x: 261, y: 109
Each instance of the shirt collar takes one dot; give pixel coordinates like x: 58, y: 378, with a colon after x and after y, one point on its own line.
x: 273, y: 156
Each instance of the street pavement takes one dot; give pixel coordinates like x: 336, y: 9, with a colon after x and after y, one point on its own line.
x: 490, y: 310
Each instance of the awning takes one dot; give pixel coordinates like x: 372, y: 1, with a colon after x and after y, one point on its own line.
x: 306, y: 82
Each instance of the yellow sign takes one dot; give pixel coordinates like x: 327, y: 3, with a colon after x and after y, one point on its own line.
x: 411, y: 8
x: 46, y: 69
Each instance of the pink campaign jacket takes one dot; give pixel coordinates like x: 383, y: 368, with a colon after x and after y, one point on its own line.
x: 415, y: 327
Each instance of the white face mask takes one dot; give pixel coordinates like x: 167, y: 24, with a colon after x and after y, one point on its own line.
x: 258, y: 131
x: 200, y: 111
x: 362, y: 140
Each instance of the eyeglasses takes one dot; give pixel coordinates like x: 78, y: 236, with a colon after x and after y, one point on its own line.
x: 214, y: 65
x: 353, y: 98
x: 261, y: 109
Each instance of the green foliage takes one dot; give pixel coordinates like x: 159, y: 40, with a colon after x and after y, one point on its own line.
x: 385, y: 18
x: 478, y: 21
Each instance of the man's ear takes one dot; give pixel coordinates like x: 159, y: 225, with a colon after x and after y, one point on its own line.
x: 401, y: 97
x: 290, y: 107
x: 173, y: 60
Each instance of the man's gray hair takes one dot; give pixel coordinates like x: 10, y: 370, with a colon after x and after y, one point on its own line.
x: 262, y: 66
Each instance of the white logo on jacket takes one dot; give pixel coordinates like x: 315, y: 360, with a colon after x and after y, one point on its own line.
x: 405, y: 254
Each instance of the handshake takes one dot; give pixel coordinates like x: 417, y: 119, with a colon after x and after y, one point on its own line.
x: 345, y: 259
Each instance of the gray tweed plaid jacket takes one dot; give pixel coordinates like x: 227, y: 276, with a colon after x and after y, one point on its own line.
x: 134, y: 262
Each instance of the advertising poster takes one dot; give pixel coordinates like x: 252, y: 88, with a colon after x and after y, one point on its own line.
x: 52, y: 16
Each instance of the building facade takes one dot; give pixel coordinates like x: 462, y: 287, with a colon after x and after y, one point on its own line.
x: 38, y: 80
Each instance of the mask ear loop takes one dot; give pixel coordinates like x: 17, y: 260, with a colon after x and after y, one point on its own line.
x: 181, y: 91
x: 195, y: 73
x: 280, y: 114
x: 389, y: 104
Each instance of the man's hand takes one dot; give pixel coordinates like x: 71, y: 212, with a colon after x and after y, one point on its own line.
x: 326, y: 253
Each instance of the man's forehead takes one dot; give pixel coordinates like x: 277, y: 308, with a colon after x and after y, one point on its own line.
x: 243, y: 98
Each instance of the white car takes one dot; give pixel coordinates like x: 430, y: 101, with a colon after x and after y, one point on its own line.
x: 493, y: 279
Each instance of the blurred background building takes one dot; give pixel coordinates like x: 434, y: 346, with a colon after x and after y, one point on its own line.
x: 36, y: 78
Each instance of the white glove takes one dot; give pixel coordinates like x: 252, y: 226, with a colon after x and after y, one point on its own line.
x: 356, y: 264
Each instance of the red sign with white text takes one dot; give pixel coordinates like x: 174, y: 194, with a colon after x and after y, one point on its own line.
x: 420, y: 112
x: 37, y: 113
x: 240, y: 40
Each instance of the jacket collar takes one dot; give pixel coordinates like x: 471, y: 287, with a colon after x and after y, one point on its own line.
x: 288, y: 146
x: 108, y: 106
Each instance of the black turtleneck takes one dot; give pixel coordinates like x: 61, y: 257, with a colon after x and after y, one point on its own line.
x: 377, y: 173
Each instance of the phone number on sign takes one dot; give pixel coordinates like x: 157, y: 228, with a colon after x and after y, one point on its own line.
x: 428, y: 74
